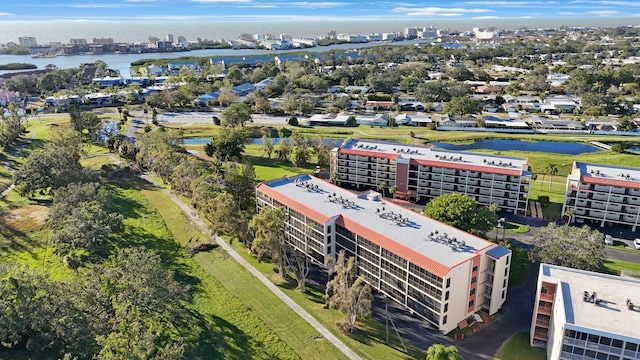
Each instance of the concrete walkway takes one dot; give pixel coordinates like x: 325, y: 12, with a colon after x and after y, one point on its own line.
x: 281, y: 295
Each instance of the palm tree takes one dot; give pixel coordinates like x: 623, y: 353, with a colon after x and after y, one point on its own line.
x: 552, y: 169
x: 408, y: 195
x: 382, y: 186
x: 441, y: 352
x: 333, y: 177
x: 392, y: 190
x: 569, y: 214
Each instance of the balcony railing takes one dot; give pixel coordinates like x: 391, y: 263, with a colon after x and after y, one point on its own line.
x: 544, y: 310
x: 546, y: 297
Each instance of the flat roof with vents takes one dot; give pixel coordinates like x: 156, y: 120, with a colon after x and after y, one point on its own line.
x: 610, y: 313
x: 446, y: 158
x: 383, y: 222
x: 603, y: 174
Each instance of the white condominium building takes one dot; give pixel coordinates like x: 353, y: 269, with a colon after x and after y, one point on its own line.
x: 424, y: 173
x: 585, y: 315
x: 438, y: 272
x: 603, y: 194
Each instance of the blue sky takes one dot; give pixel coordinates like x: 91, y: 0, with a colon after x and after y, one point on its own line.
x: 240, y: 10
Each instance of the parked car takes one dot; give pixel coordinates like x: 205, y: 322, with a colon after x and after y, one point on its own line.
x: 636, y: 244
x: 608, y: 240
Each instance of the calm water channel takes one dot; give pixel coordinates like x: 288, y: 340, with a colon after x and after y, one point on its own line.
x: 554, y: 147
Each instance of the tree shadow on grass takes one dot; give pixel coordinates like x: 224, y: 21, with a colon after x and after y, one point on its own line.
x: 215, y: 338
x: 12, y: 238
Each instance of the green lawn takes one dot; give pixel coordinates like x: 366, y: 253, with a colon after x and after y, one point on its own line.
x: 519, y: 265
x: 517, y: 347
x: 259, y: 310
x: 235, y: 317
x: 369, y: 341
x: 615, y: 267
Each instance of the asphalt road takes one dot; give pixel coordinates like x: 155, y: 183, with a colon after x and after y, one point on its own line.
x: 207, y: 118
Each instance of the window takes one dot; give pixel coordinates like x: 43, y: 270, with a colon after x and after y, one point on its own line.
x: 508, y: 258
x: 444, y: 320
x: 471, y: 303
x: 475, y: 268
x: 473, y: 291
x: 448, y: 282
x: 446, y: 296
x: 474, y: 279
x: 506, y: 271
x: 329, y: 229
x: 504, y: 292
x: 504, y: 283
x: 446, y: 307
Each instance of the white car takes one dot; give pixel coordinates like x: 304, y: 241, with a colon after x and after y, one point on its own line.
x: 636, y: 244
x: 608, y: 240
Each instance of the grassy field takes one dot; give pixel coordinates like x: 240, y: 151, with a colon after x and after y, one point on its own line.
x: 616, y: 267
x: 517, y: 347
x: 519, y: 265
x: 369, y: 340
x: 257, y: 309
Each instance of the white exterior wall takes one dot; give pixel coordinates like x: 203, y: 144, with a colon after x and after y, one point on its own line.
x: 499, y: 283
x: 458, y: 296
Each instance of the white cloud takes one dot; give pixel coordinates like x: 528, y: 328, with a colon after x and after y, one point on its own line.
x: 104, y: 6
x: 438, y: 11
x: 604, y: 12
x: 324, y: 4
x: 484, y: 17
x: 222, y: 1
x: 6, y: 14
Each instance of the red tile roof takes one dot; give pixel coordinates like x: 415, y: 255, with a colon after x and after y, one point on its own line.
x: 609, y: 182
x: 463, y: 166
x: 368, y: 153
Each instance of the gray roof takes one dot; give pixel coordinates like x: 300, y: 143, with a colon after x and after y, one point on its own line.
x: 367, y: 209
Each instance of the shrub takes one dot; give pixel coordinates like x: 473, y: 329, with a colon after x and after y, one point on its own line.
x: 293, y: 121
x: 216, y: 120
x: 543, y: 199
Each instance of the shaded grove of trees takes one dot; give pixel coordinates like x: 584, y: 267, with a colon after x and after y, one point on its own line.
x: 461, y: 211
x: 570, y: 246
x: 53, y: 167
x: 128, y: 307
x: 81, y: 223
x: 11, y: 127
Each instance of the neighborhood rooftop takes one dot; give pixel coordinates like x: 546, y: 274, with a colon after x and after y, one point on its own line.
x: 611, y: 313
x: 382, y: 219
x: 431, y: 154
x: 609, y: 172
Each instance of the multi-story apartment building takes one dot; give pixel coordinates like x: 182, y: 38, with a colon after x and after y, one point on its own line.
x: 585, y: 315
x: 436, y: 271
x: 425, y: 173
x: 603, y: 194
x: 28, y: 41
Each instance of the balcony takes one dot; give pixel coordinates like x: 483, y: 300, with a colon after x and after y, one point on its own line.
x: 543, y: 323
x: 546, y: 297
x: 545, y: 310
x: 540, y: 335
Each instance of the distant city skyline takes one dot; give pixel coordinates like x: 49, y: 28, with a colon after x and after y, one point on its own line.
x: 313, y: 10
